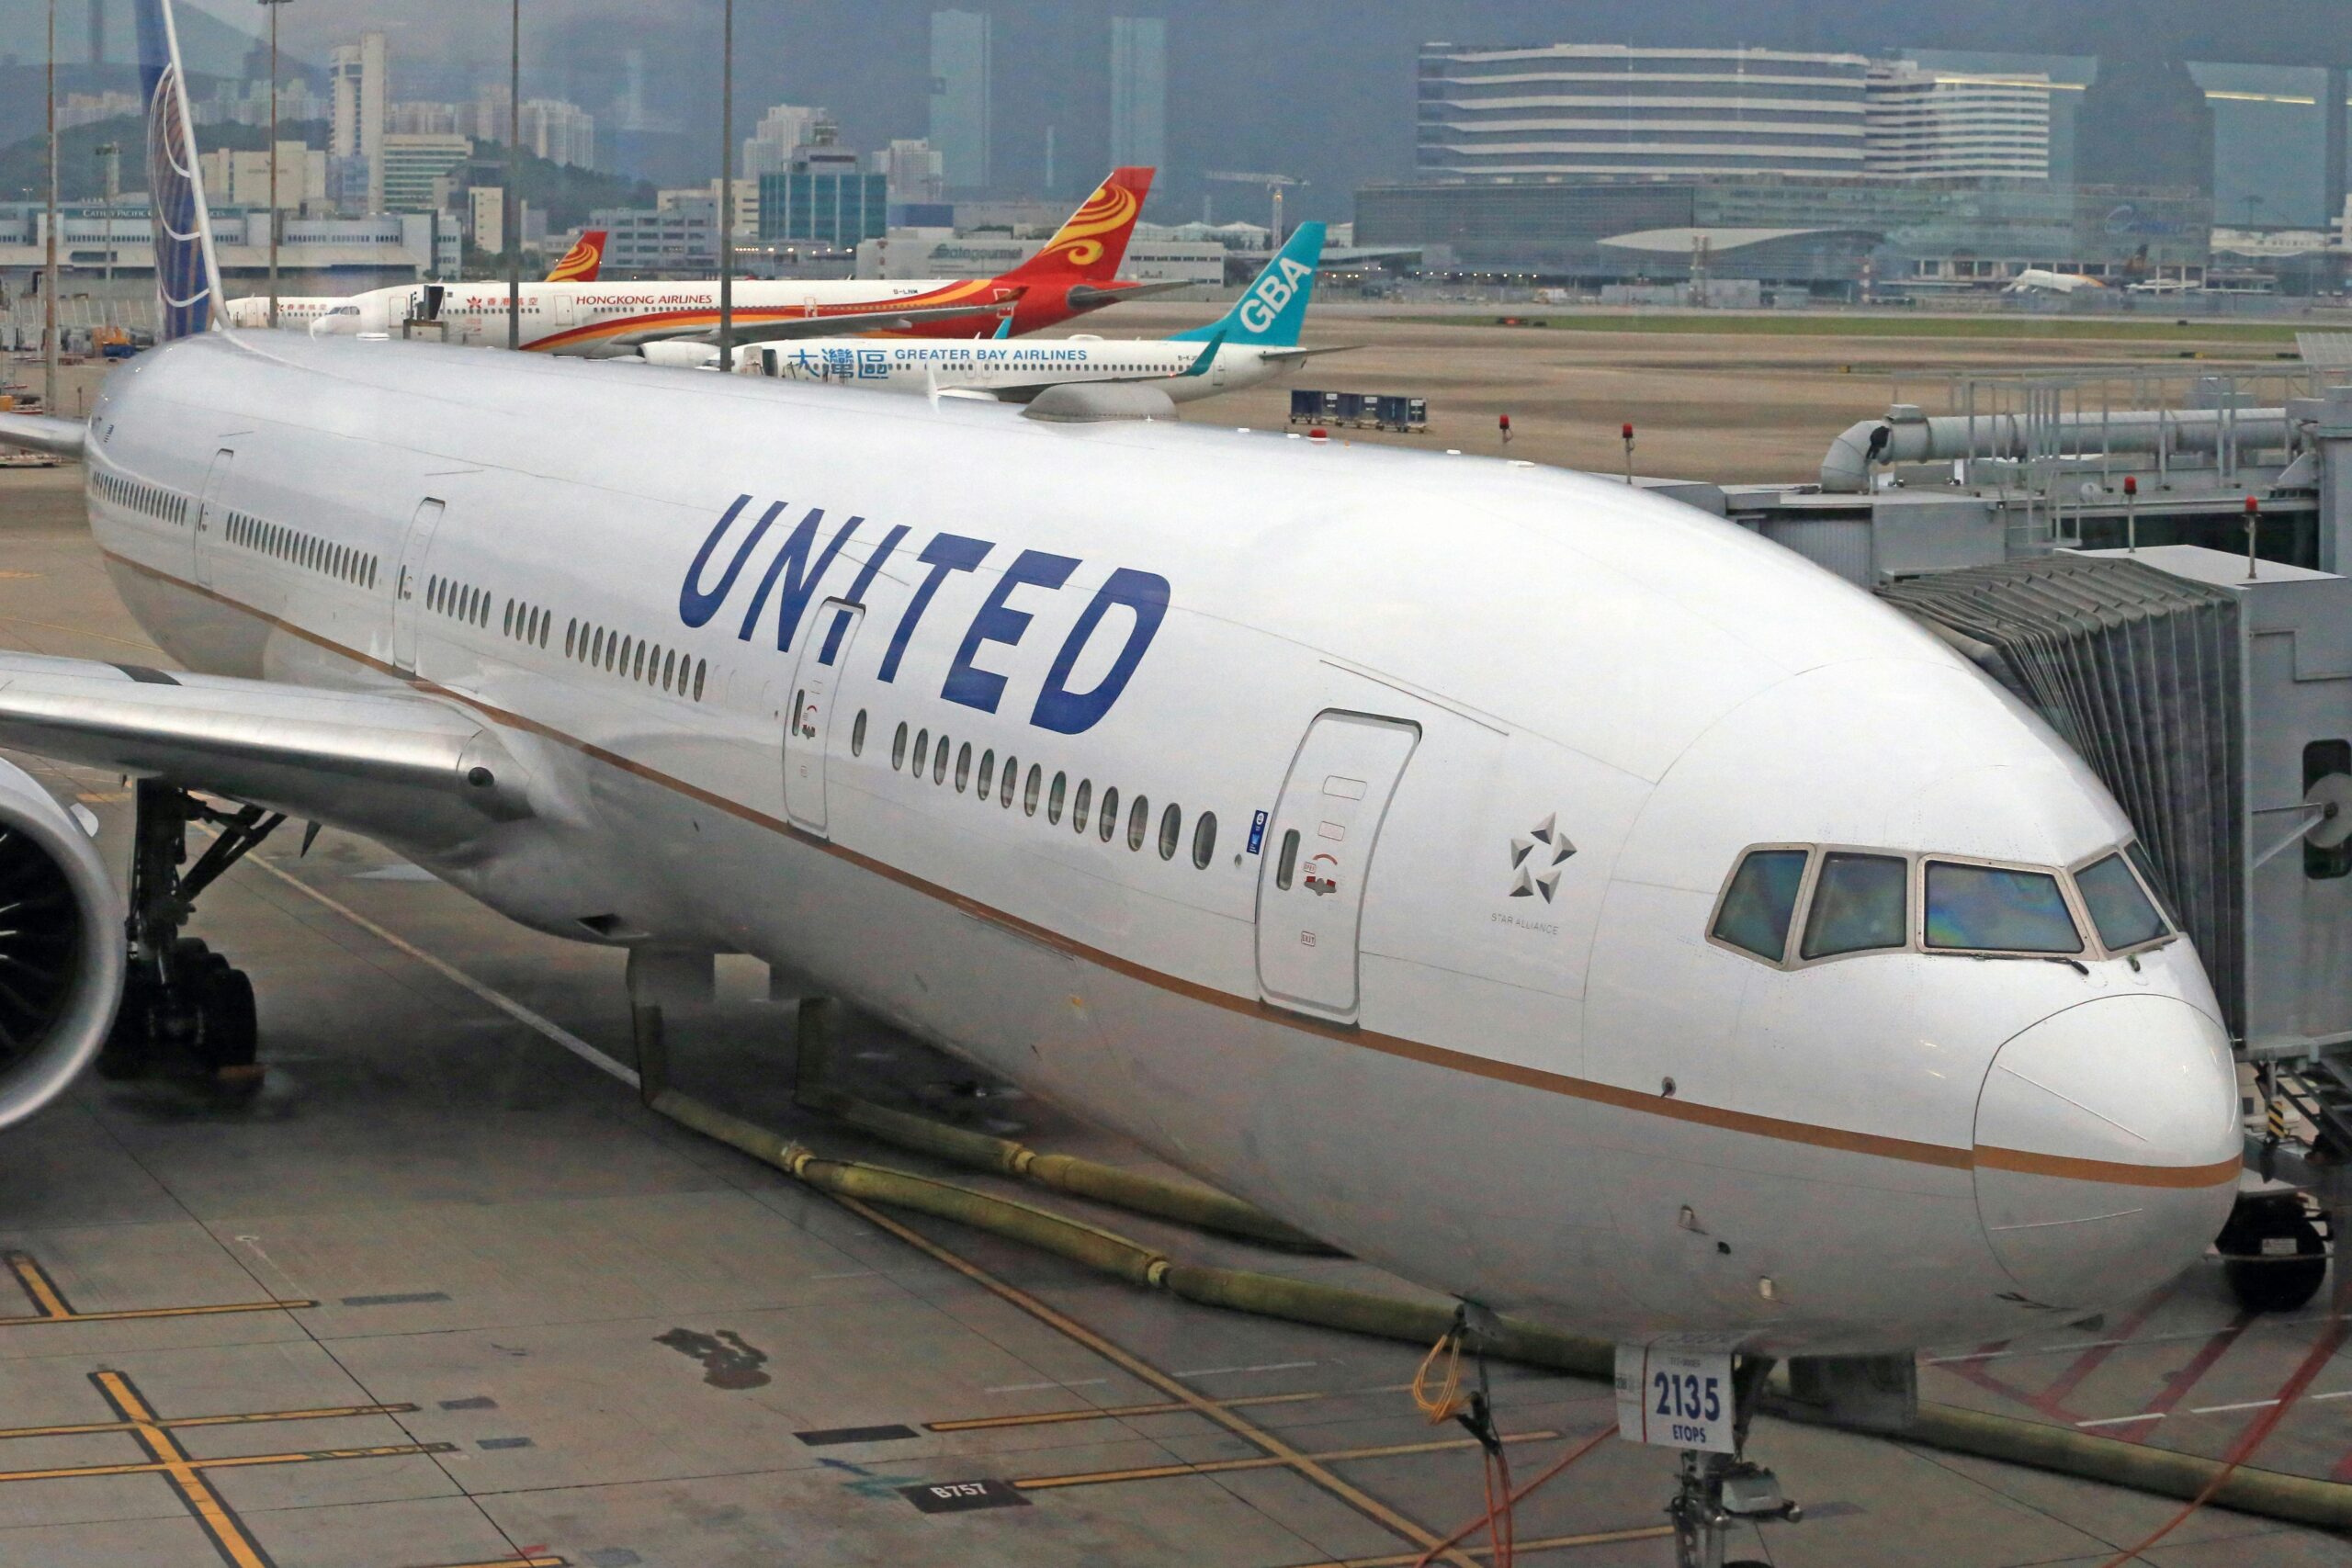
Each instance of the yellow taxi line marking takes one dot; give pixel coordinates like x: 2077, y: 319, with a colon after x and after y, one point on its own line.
x: 171, y: 1422
x: 1355, y: 1496
x: 224, y: 1528
x: 1265, y: 1461
x: 1545, y: 1544
x: 51, y: 1305
x: 173, y: 1465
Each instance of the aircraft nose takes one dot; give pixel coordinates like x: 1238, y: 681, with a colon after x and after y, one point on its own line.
x: 2107, y: 1149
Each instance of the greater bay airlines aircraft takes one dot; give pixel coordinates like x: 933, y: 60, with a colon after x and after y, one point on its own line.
x: 581, y: 264
x: 1544, y: 890
x: 1255, y: 342
x: 1076, y: 272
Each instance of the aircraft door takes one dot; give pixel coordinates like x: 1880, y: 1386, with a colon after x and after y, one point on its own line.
x: 1316, y: 857
x: 813, y: 728
x: 210, y: 509
x: 408, y: 582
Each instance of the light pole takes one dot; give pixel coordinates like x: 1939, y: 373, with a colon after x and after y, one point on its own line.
x: 48, y: 265
x: 272, y: 5
x: 109, y: 156
x: 726, y: 214
x: 509, y: 218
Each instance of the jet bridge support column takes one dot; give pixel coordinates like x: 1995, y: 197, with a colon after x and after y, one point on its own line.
x: 2339, y: 161
x: 2333, y: 433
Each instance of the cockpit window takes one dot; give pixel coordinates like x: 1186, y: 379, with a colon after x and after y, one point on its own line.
x: 2119, y: 906
x: 2137, y: 853
x: 1859, y: 903
x: 1998, y: 909
x: 1761, y: 901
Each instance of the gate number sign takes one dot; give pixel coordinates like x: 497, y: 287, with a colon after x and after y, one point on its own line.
x: 1675, y: 1399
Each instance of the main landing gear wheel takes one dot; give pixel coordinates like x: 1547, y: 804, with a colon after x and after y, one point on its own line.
x: 2273, y: 1253
x: 183, y: 1004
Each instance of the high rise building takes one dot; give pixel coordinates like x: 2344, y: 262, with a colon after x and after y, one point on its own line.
x: 1936, y: 125
x: 913, y: 171
x: 960, y: 95
x: 359, y: 73
x: 1139, y: 90
x: 415, y: 173
x: 782, y: 131
x: 559, y: 131
x: 1583, y: 109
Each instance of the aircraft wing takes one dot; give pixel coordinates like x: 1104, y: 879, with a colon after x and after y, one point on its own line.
x: 397, y: 765
x: 839, y: 325
x: 40, y: 432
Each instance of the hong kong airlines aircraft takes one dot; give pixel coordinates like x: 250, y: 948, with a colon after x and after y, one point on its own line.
x: 1075, y: 273
x: 1541, y: 889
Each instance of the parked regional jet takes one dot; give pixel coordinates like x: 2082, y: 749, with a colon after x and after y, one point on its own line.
x: 1076, y: 272
x: 2041, y: 280
x: 1539, y: 888
x: 1255, y: 342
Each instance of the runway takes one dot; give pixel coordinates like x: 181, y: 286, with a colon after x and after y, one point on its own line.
x: 443, y: 1292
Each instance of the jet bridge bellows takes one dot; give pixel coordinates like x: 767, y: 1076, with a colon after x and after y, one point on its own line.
x: 2140, y: 670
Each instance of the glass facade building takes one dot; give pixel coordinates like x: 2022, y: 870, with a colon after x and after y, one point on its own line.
x: 825, y: 207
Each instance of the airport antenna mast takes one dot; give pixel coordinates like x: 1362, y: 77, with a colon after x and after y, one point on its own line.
x: 724, y: 216
x: 274, y: 220
x: 48, y: 265
x: 510, y: 217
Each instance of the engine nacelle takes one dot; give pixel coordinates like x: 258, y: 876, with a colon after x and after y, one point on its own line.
x: 60, y: 948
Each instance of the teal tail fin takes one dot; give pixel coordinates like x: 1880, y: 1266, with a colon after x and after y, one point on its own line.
x: 1271, y: 310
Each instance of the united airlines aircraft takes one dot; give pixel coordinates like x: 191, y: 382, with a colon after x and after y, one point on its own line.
x: 1255, y: 342
x: 1546, y: 891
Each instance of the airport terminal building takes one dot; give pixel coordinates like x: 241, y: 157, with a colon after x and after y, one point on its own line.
x: 1599, y: 163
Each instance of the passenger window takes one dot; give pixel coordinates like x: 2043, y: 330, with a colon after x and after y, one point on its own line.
x: 1993, y: 908
x: 670, y: 670
x: 1078, y: 808
x: 570, y: 629
x: 2118, y: 908
x: 899, y: 748
x: 1204, y: 840
x: 922, y: 751
x: 1287, y: 862
x: 1171, y: 830
x: 939, y: 761
x: 857, y: 735
x: 702, y: 668
x: 639, y: 672
x: 1859, y: 904
x: 1029, y: 791
x: 1054, y: 800
x: 988, y: 773
x: 1761, y: 901
x: 1110, y: 820
x: 1138, y: 822
x: 1011, y: 773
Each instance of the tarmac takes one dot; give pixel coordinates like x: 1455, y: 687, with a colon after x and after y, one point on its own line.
x: 444, y: 1293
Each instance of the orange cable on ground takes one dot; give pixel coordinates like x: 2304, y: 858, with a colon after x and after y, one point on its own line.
x: 1512, y: 1499
x: 2257, y: 1434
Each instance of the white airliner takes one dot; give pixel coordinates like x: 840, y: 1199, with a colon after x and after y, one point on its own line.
x: 1074, y: 273
x: 1546, y: 891
x: 1255, y: 342
x: 2041, y: 280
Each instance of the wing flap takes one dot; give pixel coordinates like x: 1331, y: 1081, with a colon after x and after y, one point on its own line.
x: 393, y: 764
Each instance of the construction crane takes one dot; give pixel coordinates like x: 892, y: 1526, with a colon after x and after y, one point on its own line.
x: 1273, y: 184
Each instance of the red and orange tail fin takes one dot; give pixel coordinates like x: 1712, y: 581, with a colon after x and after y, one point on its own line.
x: 583, y: 260
x: 1092, y: 243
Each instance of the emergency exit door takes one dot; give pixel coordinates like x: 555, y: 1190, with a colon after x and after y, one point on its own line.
x: 1317, y: 855
x: 812, y: 726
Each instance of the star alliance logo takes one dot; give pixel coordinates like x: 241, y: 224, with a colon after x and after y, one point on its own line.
x: 1537, y: 856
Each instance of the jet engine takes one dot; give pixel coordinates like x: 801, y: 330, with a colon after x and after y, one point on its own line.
x: 60, y: 948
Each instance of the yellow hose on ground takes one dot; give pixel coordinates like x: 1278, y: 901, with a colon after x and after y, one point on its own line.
x: 2325, y: 1505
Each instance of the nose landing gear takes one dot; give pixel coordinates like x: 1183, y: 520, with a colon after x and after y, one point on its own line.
x: 181, y: 1000
x: 1718, y: 1491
